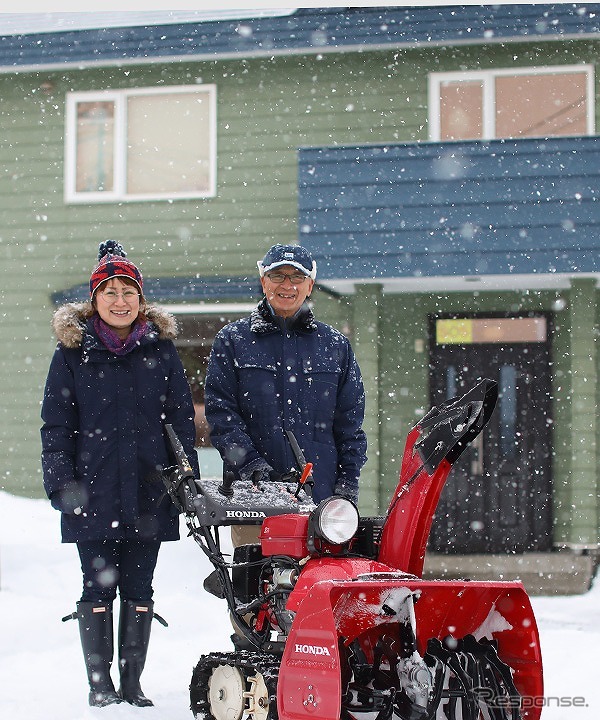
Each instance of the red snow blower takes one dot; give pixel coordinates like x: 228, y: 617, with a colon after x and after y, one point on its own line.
x: 334, y: 621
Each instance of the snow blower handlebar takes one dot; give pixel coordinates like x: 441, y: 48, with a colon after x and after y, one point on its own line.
x: 303, y: 476
x: 203, y: 501
x: 180, y: 481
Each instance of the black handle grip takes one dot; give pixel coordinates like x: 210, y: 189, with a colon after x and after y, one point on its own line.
x: 181, y: 484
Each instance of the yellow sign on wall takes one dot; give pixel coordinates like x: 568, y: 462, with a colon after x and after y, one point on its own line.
x: 454, y: 332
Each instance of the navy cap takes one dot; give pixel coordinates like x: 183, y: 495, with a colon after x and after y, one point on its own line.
x: 294, y: 255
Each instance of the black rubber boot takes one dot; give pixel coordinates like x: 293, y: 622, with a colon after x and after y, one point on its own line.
x: 134, y: 634
x: 96, y: 632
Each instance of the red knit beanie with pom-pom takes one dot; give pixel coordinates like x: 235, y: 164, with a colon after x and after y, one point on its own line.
x: 113, y: 263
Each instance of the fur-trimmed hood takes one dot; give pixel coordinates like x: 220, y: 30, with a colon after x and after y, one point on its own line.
x: 69, y: 322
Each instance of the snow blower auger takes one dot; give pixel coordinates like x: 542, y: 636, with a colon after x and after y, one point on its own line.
x: 337, y: 621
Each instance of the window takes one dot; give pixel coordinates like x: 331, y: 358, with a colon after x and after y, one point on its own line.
x: 529, y: 102
x: 140, y: 144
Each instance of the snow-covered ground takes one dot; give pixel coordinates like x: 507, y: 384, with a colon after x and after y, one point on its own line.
x: 41, y: 667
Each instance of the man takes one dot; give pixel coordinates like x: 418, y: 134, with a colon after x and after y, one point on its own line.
x: 281, y: 369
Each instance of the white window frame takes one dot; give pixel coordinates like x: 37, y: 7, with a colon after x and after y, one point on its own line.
x: 119, y: 98
x: 487, y: 78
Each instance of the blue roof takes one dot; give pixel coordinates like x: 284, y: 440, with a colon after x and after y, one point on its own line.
x: 181, y: 290
x: 459, y: 209
x: 308, y: 30
x: 185, y: 290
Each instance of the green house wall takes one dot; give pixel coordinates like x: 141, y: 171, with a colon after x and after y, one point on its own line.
x: 266, y: 109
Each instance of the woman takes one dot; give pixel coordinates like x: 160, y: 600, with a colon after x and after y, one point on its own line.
x: 114, y: 381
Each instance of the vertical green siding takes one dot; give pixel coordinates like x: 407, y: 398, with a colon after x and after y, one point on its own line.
x: 403, y: 380
x: 367, y: 308
x: 583, y: 382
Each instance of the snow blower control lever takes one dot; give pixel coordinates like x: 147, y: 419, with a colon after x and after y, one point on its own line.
x: 305, y: 478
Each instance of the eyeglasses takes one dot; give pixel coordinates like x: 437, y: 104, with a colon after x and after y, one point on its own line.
x: 127, y: 295
x: 277, y: 278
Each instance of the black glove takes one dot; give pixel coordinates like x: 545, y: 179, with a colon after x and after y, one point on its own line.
x: 71, y: 499
x: 257, y: 471
x: 341, y: 491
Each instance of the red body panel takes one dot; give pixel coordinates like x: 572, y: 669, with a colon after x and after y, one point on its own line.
x: 285, y: 535
x: 410, y: 513
x: 309, y: 684
x: 339, y: 611
x: 329, y: 568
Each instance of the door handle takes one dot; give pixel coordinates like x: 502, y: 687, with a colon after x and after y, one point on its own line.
x: 477, y: 460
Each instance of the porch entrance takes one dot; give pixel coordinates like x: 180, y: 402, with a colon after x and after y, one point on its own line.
x: 498, y: 497
x: 197, y: 332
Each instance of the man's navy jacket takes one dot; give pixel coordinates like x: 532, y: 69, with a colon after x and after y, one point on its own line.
x: 266, y: 375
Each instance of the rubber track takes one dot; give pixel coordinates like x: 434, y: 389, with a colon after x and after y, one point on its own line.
x: 249, y: 662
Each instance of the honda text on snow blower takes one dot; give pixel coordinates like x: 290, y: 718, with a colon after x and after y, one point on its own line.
x: 338, y: 623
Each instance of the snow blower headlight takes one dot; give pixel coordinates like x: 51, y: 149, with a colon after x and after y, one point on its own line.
x: 336, y: 520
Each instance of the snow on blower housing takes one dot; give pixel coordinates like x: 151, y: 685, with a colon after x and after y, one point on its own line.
x: 336, y: 620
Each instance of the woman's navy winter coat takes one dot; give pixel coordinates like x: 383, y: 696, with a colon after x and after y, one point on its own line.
x: 265, y: 376
x: 103, y: 440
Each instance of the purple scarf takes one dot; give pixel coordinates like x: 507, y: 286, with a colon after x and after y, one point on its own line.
x: 113, y: 342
